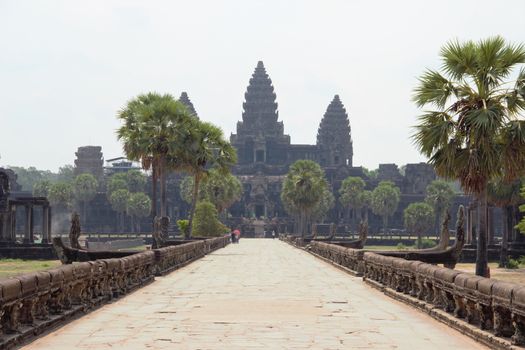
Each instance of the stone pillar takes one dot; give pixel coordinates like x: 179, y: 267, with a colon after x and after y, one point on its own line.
x: 13, y: 223
x: 32, y: 225
x: 49, y: 224
x: 490, y: 225
x: 469, y: 225
x: 45, y: 225
x: 27, y: 226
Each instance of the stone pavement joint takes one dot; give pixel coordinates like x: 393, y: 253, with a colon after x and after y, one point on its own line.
x: 259, y: 294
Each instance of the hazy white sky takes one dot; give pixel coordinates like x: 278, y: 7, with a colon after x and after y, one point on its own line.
x: 66, y: 67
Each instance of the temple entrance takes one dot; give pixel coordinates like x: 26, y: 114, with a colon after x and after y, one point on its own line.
x: 259, y: 210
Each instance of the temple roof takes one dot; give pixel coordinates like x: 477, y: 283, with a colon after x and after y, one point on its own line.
x: 334, y: 129
x: 187, y: 102
x: 260, y: 107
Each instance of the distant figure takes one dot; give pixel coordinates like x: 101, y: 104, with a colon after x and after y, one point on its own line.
x: 237, y: 234
x: 273, y: 234
x: 232, y: 236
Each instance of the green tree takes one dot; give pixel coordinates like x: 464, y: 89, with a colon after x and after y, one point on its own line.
x: 351, y: 195
x: 136, y: 181
x: 303, y: 191
x: 116, y: 182
x: 154, y: 129
x: 222, y: 190
x: 384, y: 201
x: 85, y: 188
x: 61, y: 195
x: 439, y: 196
x: 366, y: 199
x: 66, y: 173
x: 474, y: 133
x: 206, y: 221
x: 205, y: 148
x: 138, y: 206
x: 28, y: 177
x: 41, y: 188
x: 418, y: 218
x: 119, y: 203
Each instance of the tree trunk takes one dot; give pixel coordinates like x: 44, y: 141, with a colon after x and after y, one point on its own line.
x: 162, y: 171
x: 196, y: 181
x: 506, y: 211
x: 154, y: 192
x: 385, y: 224
x: 84, y: 210
x: 419, y: 242
x: 481, y: 251
x: 132, y: 218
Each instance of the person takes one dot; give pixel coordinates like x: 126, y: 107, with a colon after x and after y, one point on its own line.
x: 237, y: 236
x: 232, y: 236
x: 273, y: 234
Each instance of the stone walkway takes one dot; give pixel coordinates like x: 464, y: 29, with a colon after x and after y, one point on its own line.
x: 259, y: 294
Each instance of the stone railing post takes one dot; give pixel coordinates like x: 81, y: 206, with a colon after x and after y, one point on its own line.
x: 27, y: 226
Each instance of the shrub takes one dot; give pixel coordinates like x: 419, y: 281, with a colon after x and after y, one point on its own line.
x: 427, y: 243
x: 401, y: 246
x: 206, y: 222
x: 184, y: 226
x: 521, y: 260
x: 513, y: 264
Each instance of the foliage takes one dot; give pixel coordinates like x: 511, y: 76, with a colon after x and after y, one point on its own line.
x: 474, y: 133
x: 28, y: 177
x: 418, y: 217
x: 351, y: 192
x: 155, y: 131
x: 401, y: 246
x: 304, y: 191
x: 384, y: 200
x: 439, y: 196
x: 427, y: 243
x: 220, y: 189
x: 41, y: 188
x: 206, y: 222
x: 513, y: 264
x: 521, y: 225
x: 372, y: 174
x: 85, y: 187
x: 136, y: 181
x: 116, y: 183
x: 66, y: 173
x: 61, y: 194
x: 138, y: 205
x: 184, y: 226
x: 119, y: 200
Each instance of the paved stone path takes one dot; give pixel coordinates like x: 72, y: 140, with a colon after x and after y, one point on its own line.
x: 259, y: 294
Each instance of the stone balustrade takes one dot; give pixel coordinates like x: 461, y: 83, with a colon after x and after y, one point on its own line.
x: 31, y: 303
x: 489, y: 304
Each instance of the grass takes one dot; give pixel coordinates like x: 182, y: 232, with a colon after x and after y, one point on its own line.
x: 382, y: 247
x: 508, y: 275
x: 16, y: 267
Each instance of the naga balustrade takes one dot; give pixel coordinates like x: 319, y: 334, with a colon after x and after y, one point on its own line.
x: 490, y: 304
x: 33, y: 302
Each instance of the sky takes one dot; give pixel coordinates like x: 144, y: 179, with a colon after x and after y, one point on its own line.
x: 67, y: 67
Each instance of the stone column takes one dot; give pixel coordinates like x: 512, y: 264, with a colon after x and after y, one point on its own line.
x: 49, y: 223
x: 32, y: 225
x: 45, y: 224
x: 27, y: 226
x: 12, y: 218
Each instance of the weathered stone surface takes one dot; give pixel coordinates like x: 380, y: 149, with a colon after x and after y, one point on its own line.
x: 281, y: 298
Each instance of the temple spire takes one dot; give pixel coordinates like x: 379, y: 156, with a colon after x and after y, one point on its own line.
x: 260, y: 107
x: 187, y: 102
x: 334, y: 135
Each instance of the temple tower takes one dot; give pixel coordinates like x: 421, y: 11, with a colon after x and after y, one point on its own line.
x: 185, y: 100
x: 333, y: 136
x: 90, y: 161
x: 260, y: 137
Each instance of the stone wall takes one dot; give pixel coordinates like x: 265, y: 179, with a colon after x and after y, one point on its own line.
x: 33, y: 303
x: 486, y: 309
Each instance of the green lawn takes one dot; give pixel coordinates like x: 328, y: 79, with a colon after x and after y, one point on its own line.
x: 382, y: 247
x: 15, y: 267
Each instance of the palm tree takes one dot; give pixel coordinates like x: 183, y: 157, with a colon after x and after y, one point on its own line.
x: 351, y: 195
x: 303, y: 190
x: 439, y: 196
x: 384, y: 201
x: 418, y: 219
x: 474, y: 133
x: 154, y: 126
x: 204, y: 148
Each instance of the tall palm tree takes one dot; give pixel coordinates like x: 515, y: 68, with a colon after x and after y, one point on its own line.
x: 475, y: 132
x: 439, y: 196
x: 303, y: 190
x: 154, y: 126
x: 204, y: 148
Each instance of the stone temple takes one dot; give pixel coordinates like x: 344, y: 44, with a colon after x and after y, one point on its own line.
x: 265, y: 152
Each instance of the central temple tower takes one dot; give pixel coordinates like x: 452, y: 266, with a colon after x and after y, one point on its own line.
x: 260, y: 136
